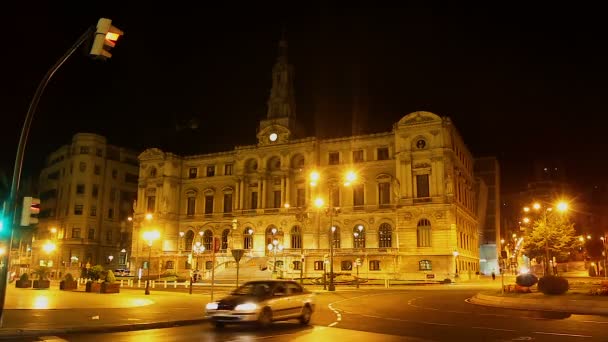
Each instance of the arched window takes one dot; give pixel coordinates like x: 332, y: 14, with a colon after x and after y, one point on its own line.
x: 248, y: 238
x: 271, y: 234
x: 153, y: 172
x: 336, y: 236
x: 208, y: 240
x: 189, y: 239
x: 385, y: 236
x: 225, y: 235
x: 359, y: 236
x: 423, y: 233
x: 296, y: 237
x: 425, y: 265
x: 169, y: 265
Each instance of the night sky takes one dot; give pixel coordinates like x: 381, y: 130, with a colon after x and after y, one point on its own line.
x: 520, y: 83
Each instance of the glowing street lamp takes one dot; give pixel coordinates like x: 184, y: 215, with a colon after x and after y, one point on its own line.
x: 150, y: 237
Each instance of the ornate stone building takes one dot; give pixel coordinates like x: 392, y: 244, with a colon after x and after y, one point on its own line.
x: 87, y: 190
x: 409, y: 214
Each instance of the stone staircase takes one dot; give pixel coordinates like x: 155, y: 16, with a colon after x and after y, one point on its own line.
x: 253, y: 268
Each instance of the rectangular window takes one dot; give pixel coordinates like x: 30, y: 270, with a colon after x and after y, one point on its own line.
x: 109, y: 236
x: 383, y: 153
x: 384, y: 194
x: 374, y: 265
x: 319, y: 265
x: 193, y: 172
x: 228, y: 169
x: 358, y: 156
x: 227, y: 203
x: 83, y: 166
x: 114, y: 174
x: 97, y: 169
x: 79, y: 189
x: 209, y: 204
x: 297, y: 265
x: 91, y: 235
x: 335, y: 197
x: 191, y: 206
x: 99, y: 152
x: 334, y: 158
x: 358, y: 196
x: 254, y: 200
x: 110, y: 213
x: 425, y: 265
x: 95, y: 191
x: 151, y: 204
x: 277, y: 199
x: 422, y: 186
x: 93, y: 210
x: 301, y: 198
x: 78, y: 209
x: 75, y: 233
x: 210, y: 170
x: 84, y: 150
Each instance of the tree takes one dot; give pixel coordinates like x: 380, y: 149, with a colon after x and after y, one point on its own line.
x: 552, y: 235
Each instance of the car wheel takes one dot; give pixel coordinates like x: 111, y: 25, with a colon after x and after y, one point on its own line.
x: 306, y: 315
x: 265, y: 318
x: 219, y: 325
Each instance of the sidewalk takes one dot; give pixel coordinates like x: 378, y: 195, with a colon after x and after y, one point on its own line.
x: 542, y: 302
x: 30, y: 312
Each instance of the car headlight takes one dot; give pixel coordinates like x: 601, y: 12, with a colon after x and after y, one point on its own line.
x: 246, y: 307
x: 212, y: 306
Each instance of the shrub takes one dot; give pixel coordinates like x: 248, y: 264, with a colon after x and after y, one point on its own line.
x: 24, y: 277
x: 526, y: 279
x: 552, y: 285
x: 68, y: 277
x: 110, y: 278
x: 95, y: 272
x: 42, y: 272
x: 447, y: 281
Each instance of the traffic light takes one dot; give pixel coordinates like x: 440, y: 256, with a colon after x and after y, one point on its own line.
x: 105, y: 39
x: 30, y: 211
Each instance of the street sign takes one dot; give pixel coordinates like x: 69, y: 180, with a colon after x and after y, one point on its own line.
x: 358, y: 262
x: 430, y: 276
x: 237, y: 254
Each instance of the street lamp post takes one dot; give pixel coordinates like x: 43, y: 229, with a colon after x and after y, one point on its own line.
x: 603, y: 238
x: 150, y: 236
x: 455, y: 253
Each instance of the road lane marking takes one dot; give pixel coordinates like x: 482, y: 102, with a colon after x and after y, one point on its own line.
x: 558, y: 334
x: 332, y: 324
x: 497, y: 329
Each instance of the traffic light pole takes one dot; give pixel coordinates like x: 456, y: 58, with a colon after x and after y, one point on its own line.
x: 25, y: 129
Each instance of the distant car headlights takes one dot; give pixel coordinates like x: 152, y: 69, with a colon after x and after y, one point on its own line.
x: 246, y: 307
x: 212, y: 306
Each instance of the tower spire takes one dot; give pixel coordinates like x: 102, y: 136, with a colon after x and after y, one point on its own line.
x: 281, y: 102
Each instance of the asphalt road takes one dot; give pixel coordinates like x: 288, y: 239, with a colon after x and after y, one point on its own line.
x: 419, y: 314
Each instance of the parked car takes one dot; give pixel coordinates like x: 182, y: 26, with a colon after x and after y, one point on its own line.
x: 122, y: 272
x: 263, y: 301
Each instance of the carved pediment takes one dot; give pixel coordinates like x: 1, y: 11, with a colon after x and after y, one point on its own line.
x: 420, y: 117
x: 151, y: 154
x: 422, y: 165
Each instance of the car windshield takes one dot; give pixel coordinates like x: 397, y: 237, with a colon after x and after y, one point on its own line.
x: 253, y: 289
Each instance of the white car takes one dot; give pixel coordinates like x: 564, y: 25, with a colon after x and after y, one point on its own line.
x: 263, y: 301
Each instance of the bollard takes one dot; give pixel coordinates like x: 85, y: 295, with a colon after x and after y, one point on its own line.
x: 120, y: 282
x: 165, y: 284
x: 175, y: 284
x: 138, y: 283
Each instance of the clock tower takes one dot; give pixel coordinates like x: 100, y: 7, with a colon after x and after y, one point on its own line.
x: 280, y: 120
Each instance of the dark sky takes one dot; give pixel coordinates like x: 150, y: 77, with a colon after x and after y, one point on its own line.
x: 520, y: 83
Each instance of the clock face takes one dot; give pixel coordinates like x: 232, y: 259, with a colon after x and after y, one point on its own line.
x: 420, y: 143
x: 273, y: 137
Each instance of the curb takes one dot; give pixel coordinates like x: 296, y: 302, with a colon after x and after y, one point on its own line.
x: 582, y: 307
x: 11, y: 333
